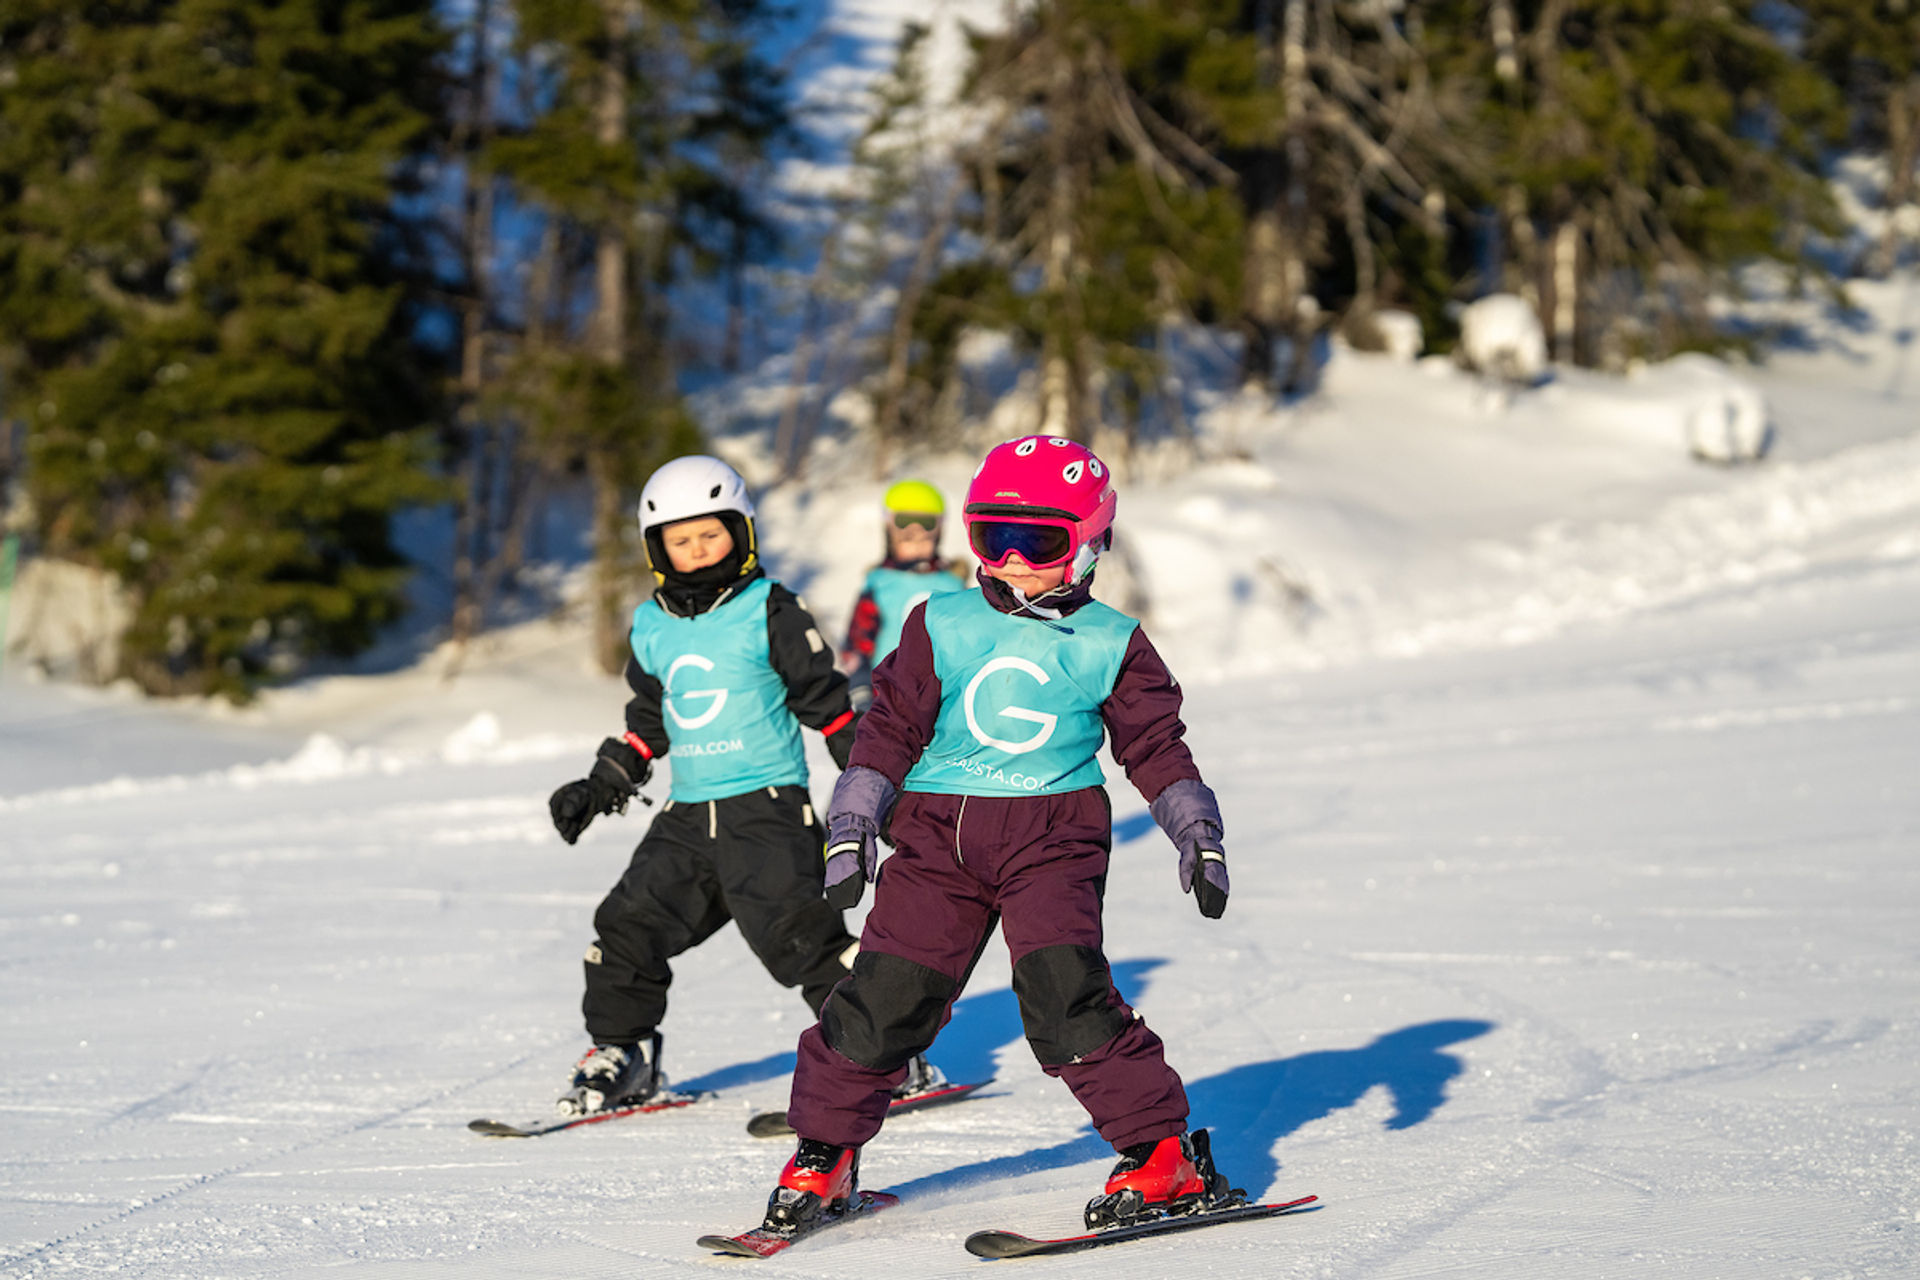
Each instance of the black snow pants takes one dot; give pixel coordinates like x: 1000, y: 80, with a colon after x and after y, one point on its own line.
x: 754, y: 859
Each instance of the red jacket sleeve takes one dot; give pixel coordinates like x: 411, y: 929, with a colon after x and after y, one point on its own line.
x: 906, y: 704
x: 863, y: 631
x: 1142, y: 716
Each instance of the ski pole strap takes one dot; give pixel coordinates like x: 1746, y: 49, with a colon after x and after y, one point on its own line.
x: 635, y: 741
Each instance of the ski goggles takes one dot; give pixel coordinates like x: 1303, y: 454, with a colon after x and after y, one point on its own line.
x: 916, y: 520
x: 1041, y: 543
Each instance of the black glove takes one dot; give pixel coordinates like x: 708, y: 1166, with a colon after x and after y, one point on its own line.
x: 616, y: 776
x: 1205, y: 869
x: 840, y: 742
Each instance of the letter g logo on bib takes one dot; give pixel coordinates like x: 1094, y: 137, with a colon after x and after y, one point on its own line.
x: 1012, y: 711
x: 719, y: 696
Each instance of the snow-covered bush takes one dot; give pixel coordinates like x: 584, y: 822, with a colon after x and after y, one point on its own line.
x: 1721, y: 417
x: 1392, y: 332
x: 1501, y: 337
x: 1692, y: 402
x: 1400, y: 334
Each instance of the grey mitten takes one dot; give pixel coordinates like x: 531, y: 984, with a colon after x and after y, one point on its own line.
x: 1189, y: 814
x: 861, y: 801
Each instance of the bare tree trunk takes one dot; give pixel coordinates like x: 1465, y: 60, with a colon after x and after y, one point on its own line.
x: 1058, y: 354
x: 1293, y: 260
x: 609, y: 582
x: 521, y: 491
x: 1506, y: 56
x: 470, y: 503
x: 1903, y: 157
x: 1524, y: 257
x: 1433, y: 211
x: 786, y: 435
x: 1566, y: 290
x: 607, y: 339
x: 1366, y: 270
x: 893, y: 387
x: 1263, y: 277
x: 1264, y: 295
x: 733, y: 343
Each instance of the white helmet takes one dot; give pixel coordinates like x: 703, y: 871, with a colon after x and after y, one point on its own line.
x: 686, y: 489
x: 696, y: 485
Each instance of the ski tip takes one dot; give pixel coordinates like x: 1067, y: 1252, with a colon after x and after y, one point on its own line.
x: 497, y: 1129
x: 729, y: 1246
x: 769, y: 1124
x: 999, y: 1244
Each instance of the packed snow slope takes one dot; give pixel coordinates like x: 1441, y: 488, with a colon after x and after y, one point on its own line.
x: 1571, y: 812
x: 1592, y: 957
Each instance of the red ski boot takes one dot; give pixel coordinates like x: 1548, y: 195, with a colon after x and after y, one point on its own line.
x: 818, y: 1181
x: 1151, y: 1180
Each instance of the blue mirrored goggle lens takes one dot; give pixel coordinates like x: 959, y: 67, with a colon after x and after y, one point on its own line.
x: 1037, y: 544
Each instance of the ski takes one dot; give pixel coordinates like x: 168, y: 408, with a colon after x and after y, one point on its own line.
x: 762, y: 1243
x: 554, y: 1124
x: 1009, y: 1244
x: 773, y: 1124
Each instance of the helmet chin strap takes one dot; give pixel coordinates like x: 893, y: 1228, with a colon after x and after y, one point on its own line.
x: 1040, y: 612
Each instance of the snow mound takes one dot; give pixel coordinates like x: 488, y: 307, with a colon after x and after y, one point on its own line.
x: 1693, y: 403
x: 1400, y: 335
x: 323, y: 758
x: 1723, y: 418
x: 1501, y: 337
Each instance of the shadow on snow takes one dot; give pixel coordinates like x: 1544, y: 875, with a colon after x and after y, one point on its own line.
x: 1251, y: 1108
x: 967, y: 1046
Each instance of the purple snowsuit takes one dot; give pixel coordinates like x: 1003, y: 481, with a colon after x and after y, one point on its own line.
x: 1038, y: 865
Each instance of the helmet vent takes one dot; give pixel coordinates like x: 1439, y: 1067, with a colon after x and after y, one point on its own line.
x: 714, y: 492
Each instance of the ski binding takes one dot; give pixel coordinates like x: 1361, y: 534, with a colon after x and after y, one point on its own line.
x: 762, y: 1242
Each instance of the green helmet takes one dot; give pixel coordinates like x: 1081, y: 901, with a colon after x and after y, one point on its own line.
x: 915, y: 496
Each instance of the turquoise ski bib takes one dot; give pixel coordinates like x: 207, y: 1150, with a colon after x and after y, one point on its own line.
x: 1019, y: 698
x: 725, y: 706
x: 895, y: 592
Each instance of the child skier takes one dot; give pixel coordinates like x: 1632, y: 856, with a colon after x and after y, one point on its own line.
x: 910, y: 571
x: 978, y: 759
x: 726, y: 667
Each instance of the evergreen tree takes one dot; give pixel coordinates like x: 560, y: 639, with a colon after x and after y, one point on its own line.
x: 1347, y: 145
x: 1870, y: 49
x: 1099, y: 216
x: 904, y: 193
x: 1642, y: 149
x: 205, y: 312
x: 648, y: 113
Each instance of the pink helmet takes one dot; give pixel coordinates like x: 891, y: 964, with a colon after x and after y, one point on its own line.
x: 1045, y: 498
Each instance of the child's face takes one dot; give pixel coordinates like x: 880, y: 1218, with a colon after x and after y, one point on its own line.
x: 1031, y: 581
x: 697, y: 543
x: 910, y: 543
